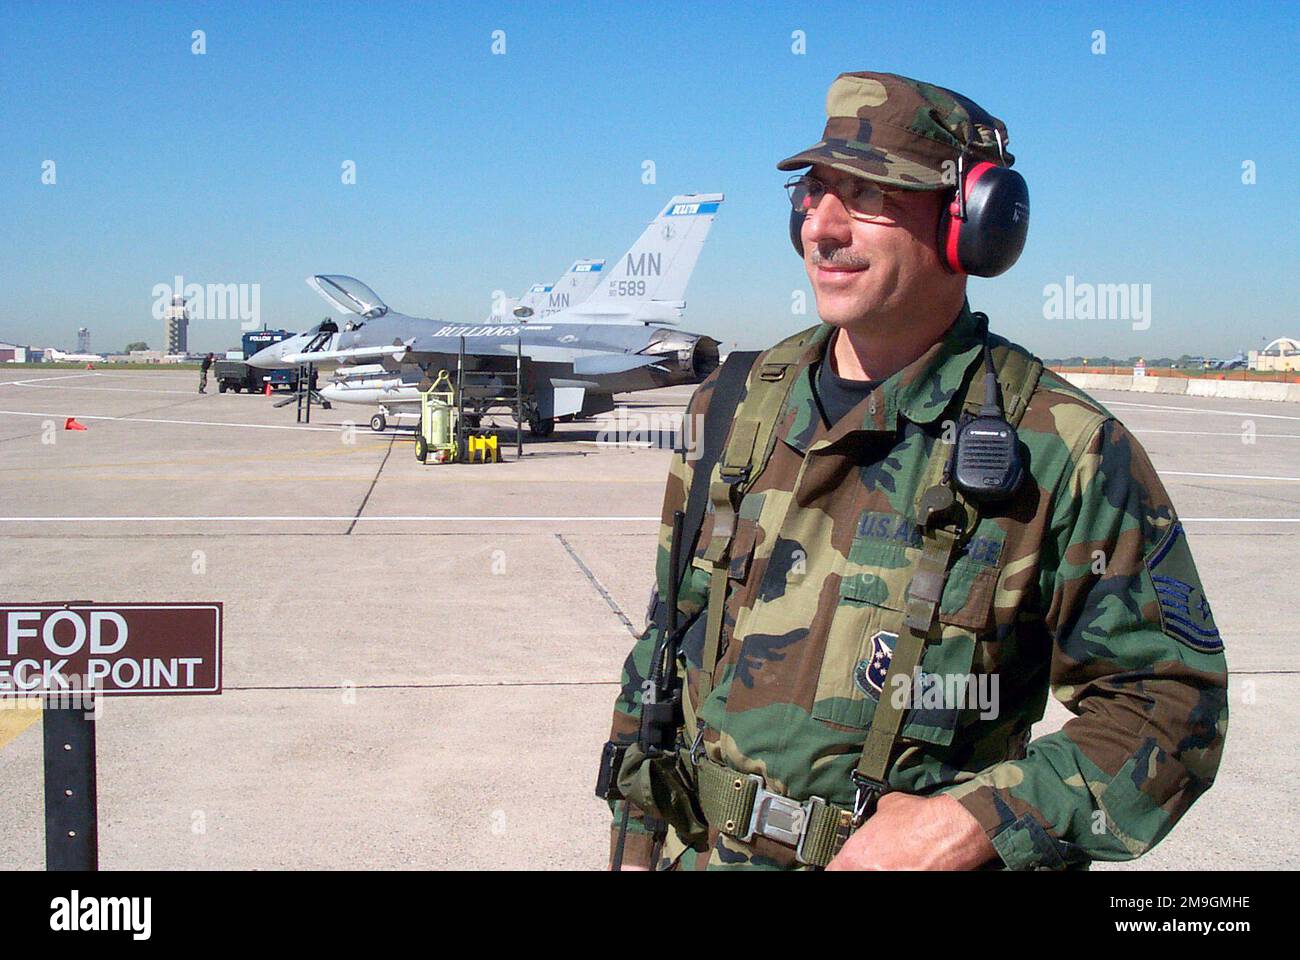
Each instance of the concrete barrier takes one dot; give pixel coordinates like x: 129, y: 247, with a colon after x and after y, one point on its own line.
x: 1208, y: 388
x: 1272, y: 391
x: 1158, y: 384
x: 1099, y: 381
x: 1223, y: 389
x: 1237, y: 389
x: 1170, y: 384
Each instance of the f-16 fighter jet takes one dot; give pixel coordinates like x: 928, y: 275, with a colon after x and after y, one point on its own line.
x: 395, y: 393
x: 572, y: 362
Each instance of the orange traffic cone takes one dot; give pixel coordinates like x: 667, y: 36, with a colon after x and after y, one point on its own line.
x: 71, y: 424
x: 267, y: 391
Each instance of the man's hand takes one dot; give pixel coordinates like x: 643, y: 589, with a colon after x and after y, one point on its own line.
x: 916, y: 833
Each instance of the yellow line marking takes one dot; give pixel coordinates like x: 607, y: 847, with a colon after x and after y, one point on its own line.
x: 16, y: 716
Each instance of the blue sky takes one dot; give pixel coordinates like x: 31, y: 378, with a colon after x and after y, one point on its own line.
x: 477, y: 172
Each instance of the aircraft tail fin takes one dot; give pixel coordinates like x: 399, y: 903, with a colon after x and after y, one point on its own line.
x: 649, y: 281
x: 544, y: 299
x: 575, y: 287
x: 511, y: 309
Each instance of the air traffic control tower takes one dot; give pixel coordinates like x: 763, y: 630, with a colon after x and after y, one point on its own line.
x: 176, y: 326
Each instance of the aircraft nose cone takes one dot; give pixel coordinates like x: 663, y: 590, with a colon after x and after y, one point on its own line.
x: 268, y: 358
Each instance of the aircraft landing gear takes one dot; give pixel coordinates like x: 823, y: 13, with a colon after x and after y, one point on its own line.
x: 378, y: 422
x: 541, y: 428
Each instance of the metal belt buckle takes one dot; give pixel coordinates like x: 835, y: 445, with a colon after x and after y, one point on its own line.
x: 809, y: 809
x: 776, y: 817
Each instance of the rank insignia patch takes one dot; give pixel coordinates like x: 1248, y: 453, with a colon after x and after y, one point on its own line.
x: 1184, y: 610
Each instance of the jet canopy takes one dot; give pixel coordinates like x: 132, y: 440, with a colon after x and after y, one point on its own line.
x: 348, y: 294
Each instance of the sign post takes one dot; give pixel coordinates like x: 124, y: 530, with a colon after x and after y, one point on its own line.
x: 71, y: 806
x: 71, y: 654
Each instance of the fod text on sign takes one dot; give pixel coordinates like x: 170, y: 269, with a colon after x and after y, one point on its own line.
x: 110, y: 648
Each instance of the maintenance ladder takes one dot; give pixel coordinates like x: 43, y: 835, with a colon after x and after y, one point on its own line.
x: 478, y: 385
x: 305, y: 392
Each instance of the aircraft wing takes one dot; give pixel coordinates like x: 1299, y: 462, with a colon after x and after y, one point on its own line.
x: 428, y: 349
x: 422, y: 350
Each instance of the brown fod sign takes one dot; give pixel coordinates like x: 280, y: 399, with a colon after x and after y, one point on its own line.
x: 118, y: 649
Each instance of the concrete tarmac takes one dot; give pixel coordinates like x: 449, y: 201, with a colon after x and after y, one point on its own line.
x: 420, y: 660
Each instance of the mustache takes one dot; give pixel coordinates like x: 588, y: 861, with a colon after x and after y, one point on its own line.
x: 837, y: 257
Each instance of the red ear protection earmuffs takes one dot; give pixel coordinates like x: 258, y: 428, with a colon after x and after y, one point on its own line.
x: 982, y: 229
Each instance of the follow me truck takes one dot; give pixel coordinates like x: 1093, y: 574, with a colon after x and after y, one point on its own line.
x: 235, y: 374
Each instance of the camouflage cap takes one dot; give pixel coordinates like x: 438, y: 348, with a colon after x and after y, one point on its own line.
x: 900, y: 131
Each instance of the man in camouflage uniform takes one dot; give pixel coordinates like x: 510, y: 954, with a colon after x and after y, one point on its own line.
x: 1081, y: 582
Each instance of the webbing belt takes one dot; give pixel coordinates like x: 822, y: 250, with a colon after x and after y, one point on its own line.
x: 924, y: 593
x: 748, y: 441
x: 740, y: 806
x: 726, y: 396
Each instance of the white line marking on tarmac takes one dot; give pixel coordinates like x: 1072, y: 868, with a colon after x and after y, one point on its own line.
x: 55, y: 386
x: 1239, y: 519
x: 1219, y: 433
x: 1223, y: 476
x: 184, y: 423
x: 461, y: 518
x: 304, y: 519
x: 23, y: 383
x: 1226, y: 413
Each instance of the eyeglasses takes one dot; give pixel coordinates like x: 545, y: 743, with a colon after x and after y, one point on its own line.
x: 864, y: 198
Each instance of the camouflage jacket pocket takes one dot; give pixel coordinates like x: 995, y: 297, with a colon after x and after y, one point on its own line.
x: 972, y: 581
x: 867, y: 623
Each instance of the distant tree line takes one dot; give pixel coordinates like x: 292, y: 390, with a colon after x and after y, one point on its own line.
x: 1181, y: 361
